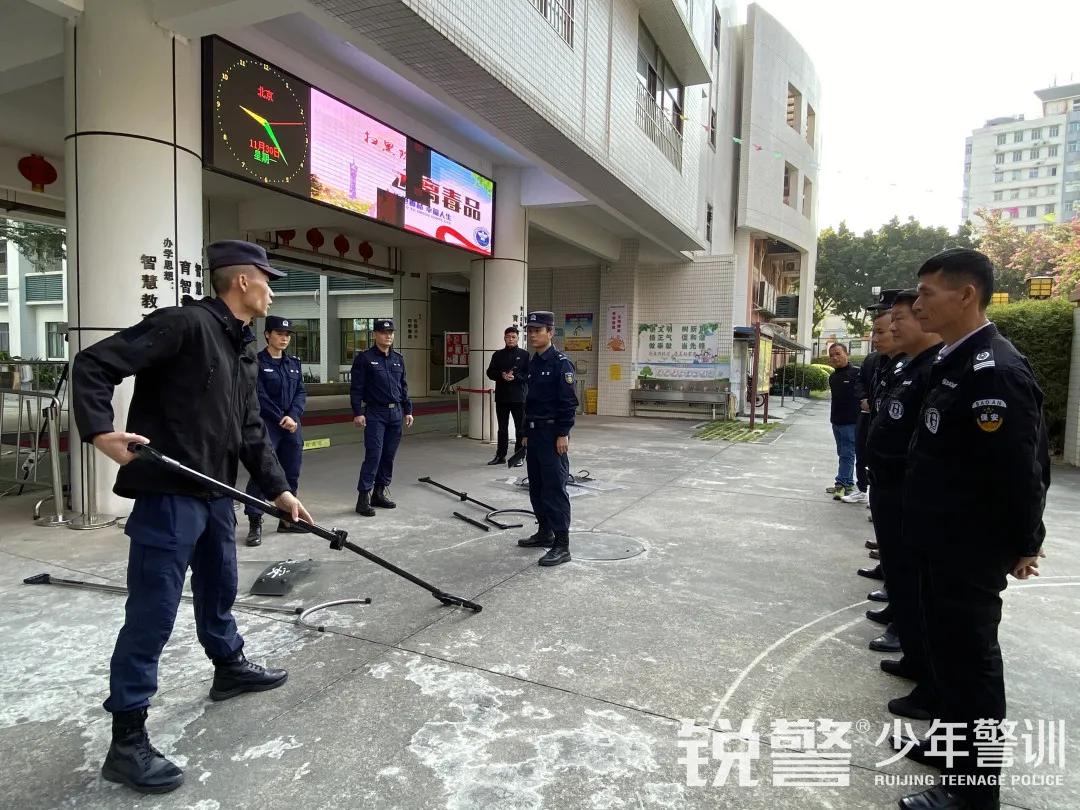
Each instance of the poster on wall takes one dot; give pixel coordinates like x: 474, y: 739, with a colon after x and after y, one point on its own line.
x: 456, y: 351
x: 578, y: 332
x: 616, y: 328
x: 681, y: 351
x: 764, y: 365
x: 266, y: 126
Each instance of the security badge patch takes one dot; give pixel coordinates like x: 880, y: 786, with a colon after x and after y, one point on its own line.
x: 569, y: 377
x: 896, y: 409
x: 989, y: 414
x: 932, y: 419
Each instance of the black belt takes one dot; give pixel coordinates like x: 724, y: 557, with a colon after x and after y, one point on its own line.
x: 378, y: 405
x: 532, y: 423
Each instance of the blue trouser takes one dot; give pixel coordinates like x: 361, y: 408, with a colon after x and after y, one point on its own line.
x: 382, y: 435
x: 845, y: 449
x: 168, y: 534
x: 547, y: 472
x: 289, y: 448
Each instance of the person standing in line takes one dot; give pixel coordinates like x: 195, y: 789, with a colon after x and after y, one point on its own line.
x: 509, y: 369
x: 379, y: 394
x: 975, y: 483
x: 282, y: 400
x: 550, y: 408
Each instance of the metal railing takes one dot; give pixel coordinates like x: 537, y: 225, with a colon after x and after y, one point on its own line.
x: 560, y: 16
x: 487, y: 401
x: 658, y: 126
x: 25, y: 418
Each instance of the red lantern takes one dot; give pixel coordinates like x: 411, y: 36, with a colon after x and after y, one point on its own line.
x: 365, y: 250
x: 341, y: 245
x: 285, y: 236
x: 38, y: 171
x: 315, y: 239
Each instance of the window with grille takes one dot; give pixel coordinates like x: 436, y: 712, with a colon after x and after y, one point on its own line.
x: 55, y: 343
x: 356, y: 337
x: 560, y: 16
x: 660, y: 98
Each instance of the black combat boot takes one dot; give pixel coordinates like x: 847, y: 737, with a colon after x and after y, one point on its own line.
x: 497, y: 460
x: 380, y: 500
x: 363, y: 504
x: 235, y: 675
x: 254, y: 535
x: 544, y: 538
x: 559, y: 552
x: 134, y: 762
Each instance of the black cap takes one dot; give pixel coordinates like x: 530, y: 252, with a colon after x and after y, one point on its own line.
x: 510, y: 329
x: 908, y: 297
x: 541, y: 318
x: 275, y: 323
x: 884, y: 302
x: 384, y: 325
x: 232, y: 252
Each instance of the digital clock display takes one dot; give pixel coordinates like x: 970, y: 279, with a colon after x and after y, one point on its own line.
x: 266, y: 126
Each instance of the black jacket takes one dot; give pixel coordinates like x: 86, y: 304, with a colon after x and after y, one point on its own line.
x: 847, y: 392
x: 504, y: 360
x: 195, y: 399
x: 978, y: 465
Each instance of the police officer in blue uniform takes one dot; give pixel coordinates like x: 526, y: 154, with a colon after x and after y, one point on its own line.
x: 380, y: 403
x: 195, y: 399
x: 550, y: 405
x: 281, y: 402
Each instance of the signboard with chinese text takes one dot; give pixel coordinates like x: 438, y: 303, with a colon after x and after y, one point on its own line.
x: 681, y: 351
x: 616, y: 328
x: 266, y: 126
x: 456, y: 351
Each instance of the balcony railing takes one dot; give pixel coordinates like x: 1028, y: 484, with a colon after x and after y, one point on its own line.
x: 658, y: 126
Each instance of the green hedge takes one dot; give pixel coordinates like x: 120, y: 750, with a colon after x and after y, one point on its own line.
x: 1043, y: 332
x: 854, y: 359
x: 815, y: 377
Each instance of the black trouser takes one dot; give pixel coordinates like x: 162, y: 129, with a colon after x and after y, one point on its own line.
x: 503, y: 412
x: 899, y: 565
x: 862, y: 429
x: 961, y: 610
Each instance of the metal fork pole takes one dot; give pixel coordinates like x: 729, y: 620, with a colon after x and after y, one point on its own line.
x: 60, y: 517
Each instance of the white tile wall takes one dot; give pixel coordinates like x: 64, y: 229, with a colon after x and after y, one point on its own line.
x: 570, y: 289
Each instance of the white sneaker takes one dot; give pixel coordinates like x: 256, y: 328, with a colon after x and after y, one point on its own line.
x: 855, y: 497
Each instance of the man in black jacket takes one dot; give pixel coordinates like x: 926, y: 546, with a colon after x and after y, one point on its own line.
x: 847, y: 394
x: 509, y: 368
x: 974, y: 490
x: 195, y: 399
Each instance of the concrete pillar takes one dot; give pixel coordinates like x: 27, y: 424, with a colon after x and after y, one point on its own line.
x: 412, y: 318
x: 807, y: 274
x: 617, y: 371
x: 497, y: 289
x: 133, y: 186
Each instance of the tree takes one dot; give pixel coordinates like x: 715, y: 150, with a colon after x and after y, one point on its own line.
x: 42, y: 244
x: 1018, y: 255
x: 849, y: 266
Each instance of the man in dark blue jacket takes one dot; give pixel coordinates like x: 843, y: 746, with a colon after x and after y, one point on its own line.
x: 844, y: 409
x: 282, y: 399
x: 550, y: 407
x: 380, y: 401
x: 195, y: 400
x: 509, y: 369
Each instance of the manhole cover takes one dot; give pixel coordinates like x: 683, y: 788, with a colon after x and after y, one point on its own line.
x: 603, y: 546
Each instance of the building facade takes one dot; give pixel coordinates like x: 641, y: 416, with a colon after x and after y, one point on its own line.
x: 1028, y: 170
x: 651, y: 169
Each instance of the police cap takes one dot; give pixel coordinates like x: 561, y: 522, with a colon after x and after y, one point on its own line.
x: 384, y: 325
x: 275, y: 323
x: 541, y: 318
x: 884, y: 302
x: 232, y: 252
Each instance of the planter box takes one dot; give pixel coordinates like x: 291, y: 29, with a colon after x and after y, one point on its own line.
x: 326, y: 389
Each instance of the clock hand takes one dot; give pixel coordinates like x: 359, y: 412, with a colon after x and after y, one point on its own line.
x: 269, y: 131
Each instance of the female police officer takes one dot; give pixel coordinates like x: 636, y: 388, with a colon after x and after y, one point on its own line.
x: 281, y: 404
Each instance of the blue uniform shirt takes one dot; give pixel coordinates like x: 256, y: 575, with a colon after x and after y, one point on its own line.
x: 379, y: 379
x: 551, y: 395
x: 281, y: 388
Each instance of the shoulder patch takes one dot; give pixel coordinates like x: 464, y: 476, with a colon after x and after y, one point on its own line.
x: 984, y: 359
x: 989, y: 414
x: 569, y: 377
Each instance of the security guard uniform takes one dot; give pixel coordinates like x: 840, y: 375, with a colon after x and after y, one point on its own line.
x: 550, y: 406
x: 195, y: 399
x: 379, y: 392
x: 974, y: 491
x: 281, y: 394
x: 891, y: 429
